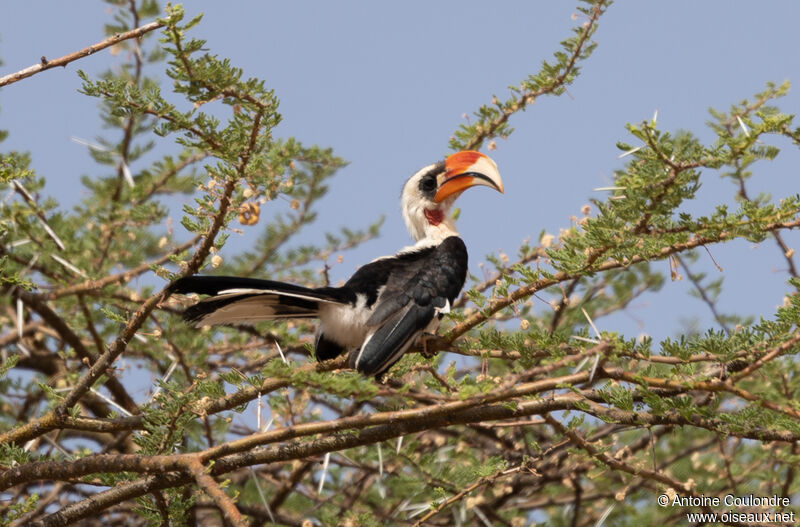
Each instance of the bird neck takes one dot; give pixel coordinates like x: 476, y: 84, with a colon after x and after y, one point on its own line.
x: 436, y: 228
x: 427, y: 222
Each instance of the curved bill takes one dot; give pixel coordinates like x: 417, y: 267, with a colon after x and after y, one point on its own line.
x: 465, y: 169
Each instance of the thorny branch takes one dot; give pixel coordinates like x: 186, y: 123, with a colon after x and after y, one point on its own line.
x: 525, y: 291
x: 527, y: 97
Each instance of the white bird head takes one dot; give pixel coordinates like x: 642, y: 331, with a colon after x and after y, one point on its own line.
x: 429, y: 194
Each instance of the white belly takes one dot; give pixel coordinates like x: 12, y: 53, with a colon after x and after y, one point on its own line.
x: 345, y: 324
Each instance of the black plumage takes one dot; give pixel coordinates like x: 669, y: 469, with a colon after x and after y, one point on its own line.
x: 415, y: 297
x: 397, y: 297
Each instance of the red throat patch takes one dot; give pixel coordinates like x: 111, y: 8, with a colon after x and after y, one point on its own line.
x: 434, y: 217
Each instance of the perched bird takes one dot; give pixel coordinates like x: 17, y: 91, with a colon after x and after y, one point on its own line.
x: 388, y: 303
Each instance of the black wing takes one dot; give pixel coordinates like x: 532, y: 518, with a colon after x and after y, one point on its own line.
x: 413, y: 295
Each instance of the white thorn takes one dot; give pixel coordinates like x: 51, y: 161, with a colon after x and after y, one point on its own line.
x: 594, y: 367
x: 380, y: 461
x: 86, y: 143
x: 261, y: 495
x: 22, y: 190
x: 598, y: 189
x: 20, y: 316
x: 52, y: 234
x: 482, y: 517
x: 58, y: 447
x: 401, y: 507
x: 590, y: 322
x: 381, y: 489
x: 579, y: 367
x: 456, y: 517
x: 31, y: 264
x: 399, y: 443
x: 109, y: 401
x: 629, y: 152
x: 268, y: 425
x: 17, y: 243
x: 415, y: 509
x: 280, y: 351
x: 29, y: 198
x: 126, y: 173
x: 604, y: 516
x: 258, y: 411
x: 744, y: 126
x: 324, y: 472
x: 165, y: 378
x: 655, y: 117
x: 169, y: 371
x: 22, y: 349
x: 68, y: 265
x: 584, y: 339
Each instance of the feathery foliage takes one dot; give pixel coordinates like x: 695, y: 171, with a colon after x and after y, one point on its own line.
x: 524, y: 415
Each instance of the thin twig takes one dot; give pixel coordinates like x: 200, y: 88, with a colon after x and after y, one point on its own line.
x: 85, y: 52
x: 215, y: 492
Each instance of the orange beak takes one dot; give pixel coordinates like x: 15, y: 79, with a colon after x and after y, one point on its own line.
x: 467, y: 169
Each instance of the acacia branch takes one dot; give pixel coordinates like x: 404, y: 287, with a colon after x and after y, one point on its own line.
x: 68, y: 336
x: 704, y: 296
x: 715, y: 385
x: 378, y: 427
x: 58, y: 416
x: 85, y: 52
x: 295, y: 450
x: 612, y: 462
x: 618, y: 465
x: 529, y: 96
x: 527, y: 290
x: 126, y: 276
x: 153, y: 464
x: 172, y: 474
x: 215, y: 492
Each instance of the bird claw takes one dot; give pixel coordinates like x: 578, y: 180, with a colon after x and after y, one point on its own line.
x: 423, y: 343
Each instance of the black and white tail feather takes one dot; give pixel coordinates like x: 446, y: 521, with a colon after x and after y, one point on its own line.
x: 240, y: 301
x: 383, y: 309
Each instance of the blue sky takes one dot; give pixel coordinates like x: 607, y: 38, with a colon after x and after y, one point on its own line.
x: 386, y: 85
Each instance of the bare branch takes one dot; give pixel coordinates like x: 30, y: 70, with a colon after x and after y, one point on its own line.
x: 85, y: 52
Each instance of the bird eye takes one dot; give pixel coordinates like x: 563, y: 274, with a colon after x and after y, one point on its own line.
x: 428, y: 183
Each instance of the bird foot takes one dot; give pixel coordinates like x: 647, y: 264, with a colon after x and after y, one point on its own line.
x: 423, y: 342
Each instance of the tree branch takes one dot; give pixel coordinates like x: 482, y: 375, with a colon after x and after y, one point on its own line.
x: 85, y: 52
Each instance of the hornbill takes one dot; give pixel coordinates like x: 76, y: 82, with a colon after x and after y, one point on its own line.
x: 388, y: 303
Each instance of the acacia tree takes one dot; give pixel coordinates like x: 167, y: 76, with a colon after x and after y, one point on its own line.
x: 522, y: 416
